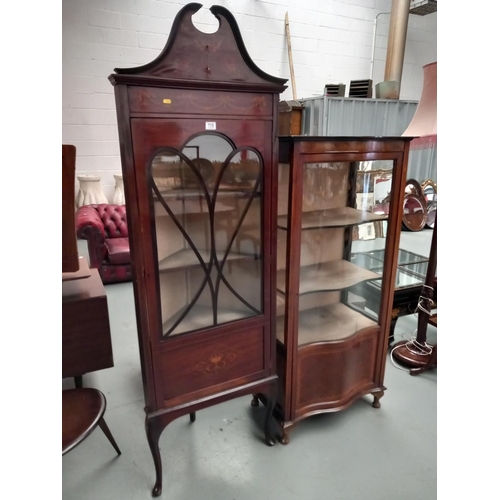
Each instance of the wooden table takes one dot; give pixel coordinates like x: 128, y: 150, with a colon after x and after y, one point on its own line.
x: 86, y: 335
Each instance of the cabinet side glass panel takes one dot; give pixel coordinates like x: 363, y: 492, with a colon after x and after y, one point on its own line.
x: 373, y: 192
x: 208, y: 213
x: 283, y: 187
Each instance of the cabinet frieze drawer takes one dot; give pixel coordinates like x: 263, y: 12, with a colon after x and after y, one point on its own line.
x: 352, y: 146
x: 165, y: 100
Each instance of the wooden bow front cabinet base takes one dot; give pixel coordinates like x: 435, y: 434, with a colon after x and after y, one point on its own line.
x: 198, y: 139
x: 338, y: 199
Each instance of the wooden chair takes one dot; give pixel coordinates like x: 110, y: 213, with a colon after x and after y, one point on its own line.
x: 82, y: 411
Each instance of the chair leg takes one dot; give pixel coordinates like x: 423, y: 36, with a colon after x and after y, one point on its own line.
x: 107, y: 432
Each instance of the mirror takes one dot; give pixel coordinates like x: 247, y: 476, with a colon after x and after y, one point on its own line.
x: 431, y: 214
x: 429, y: 189
x: 414, y: 212
x: 413, y: 187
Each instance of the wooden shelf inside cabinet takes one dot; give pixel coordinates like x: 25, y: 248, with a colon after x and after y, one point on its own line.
x: 327, y: 277
x: 201, y: 316
x: 335, y: 217
x: 190, y: 205
x: 225, y: 191
x: 326, y: 324
x: 185, y: 259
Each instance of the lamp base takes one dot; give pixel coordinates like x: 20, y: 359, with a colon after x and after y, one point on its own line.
x: 416, y: 362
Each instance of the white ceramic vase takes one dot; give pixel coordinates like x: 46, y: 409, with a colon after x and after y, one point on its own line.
x: 119, y: 196
x: 90, y: 191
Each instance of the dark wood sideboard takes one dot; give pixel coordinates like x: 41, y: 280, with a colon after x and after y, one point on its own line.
x: 86, y: 334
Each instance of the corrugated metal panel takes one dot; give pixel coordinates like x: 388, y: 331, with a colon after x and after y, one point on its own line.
x: 343, y: 116
x: 422, y: 164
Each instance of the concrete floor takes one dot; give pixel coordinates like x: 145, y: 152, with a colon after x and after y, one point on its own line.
x: 360, y: 453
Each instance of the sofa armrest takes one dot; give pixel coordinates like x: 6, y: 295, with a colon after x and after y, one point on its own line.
x: 87, y: 219
x: 90, y: 227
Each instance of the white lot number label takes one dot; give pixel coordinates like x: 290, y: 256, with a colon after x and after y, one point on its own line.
x: 210, y: 126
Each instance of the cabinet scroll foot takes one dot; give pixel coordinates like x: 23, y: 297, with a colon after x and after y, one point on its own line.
x: 157, y: 490
x: 376, y: 399
x: 285, y: 432
x: 255, y: 400
x: 192, y: 417
x: 285, y: 437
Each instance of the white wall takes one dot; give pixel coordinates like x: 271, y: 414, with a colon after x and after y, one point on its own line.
x: 332, y: 42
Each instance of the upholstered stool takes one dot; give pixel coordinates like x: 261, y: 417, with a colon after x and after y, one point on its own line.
x: 82, y: 411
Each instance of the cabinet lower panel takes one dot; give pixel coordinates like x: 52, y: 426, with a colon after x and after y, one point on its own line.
x: 332, y: 375
x: 196, y: 368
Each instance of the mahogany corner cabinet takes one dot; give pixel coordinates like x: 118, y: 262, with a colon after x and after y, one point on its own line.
x: 198, y: 143
x: 339, y: 200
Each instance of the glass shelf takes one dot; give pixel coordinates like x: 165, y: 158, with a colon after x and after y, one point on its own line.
x: 404, y: 256
x: 411, y: 268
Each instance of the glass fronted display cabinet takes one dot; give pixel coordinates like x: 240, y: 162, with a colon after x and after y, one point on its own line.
x: 197, y: 130
x: 338, y: 197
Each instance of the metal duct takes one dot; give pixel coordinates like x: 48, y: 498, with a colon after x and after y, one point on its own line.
x: 397, y: 40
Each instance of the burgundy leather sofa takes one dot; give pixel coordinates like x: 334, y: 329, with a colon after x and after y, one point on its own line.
x: 104, y: 226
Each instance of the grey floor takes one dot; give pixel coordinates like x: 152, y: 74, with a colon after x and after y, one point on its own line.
x: 360, y: 453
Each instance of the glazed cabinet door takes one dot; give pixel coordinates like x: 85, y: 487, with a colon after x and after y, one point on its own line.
x: 202, y: 203
x: 343, y: 210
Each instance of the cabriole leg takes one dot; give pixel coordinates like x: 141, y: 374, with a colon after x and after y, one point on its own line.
x: 271, y: 402
x: 154, y: 429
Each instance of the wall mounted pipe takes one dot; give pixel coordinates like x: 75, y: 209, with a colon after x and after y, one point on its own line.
x: 373, y: 42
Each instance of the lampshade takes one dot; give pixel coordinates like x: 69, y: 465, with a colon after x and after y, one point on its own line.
x: 424, y: 123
